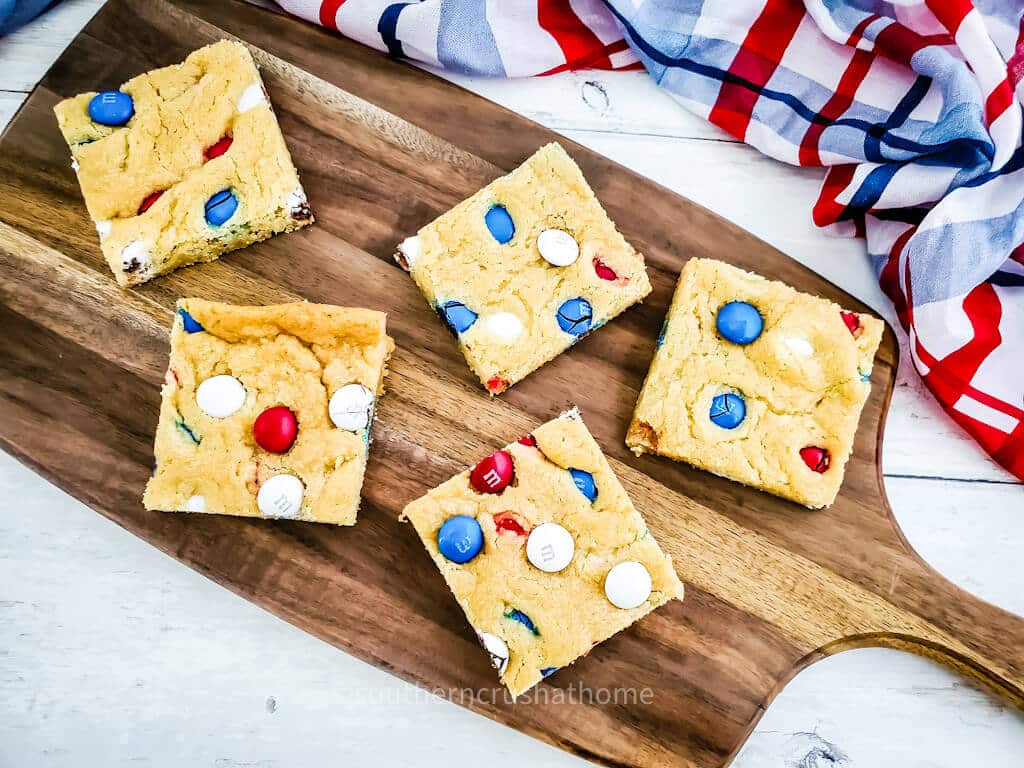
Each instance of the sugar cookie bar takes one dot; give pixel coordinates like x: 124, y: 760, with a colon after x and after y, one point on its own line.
x: 524, y: 268
x: 183, y: 164
x: 266, y: 411
x: 757, y: 382
x: 544, y: 551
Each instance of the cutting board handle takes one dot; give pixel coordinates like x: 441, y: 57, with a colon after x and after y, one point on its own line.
x: 936, y: 619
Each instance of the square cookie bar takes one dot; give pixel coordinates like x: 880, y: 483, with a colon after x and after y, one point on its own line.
x: 544, y: 551
x: 182, y: 164
x: 757, y: 382
x: 266, y: 411
x: 524, y: 268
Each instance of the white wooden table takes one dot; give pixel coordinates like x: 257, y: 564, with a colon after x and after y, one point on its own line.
x: 113, y: 654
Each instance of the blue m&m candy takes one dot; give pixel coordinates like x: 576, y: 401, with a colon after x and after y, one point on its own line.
x: 460, y: 538
x: 111, y: 108
x: 661, y: 336
x: 575, y: 316
x: 585, y: 482
x: 500, y: 224
x: 190, y: 324
x: 221, y: 207
x: 739, y: 322
x: 728, y: 410
x: 516, y: 615
x: 458, y: 316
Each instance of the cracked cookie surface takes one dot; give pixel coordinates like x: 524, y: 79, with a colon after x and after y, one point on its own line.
x: 803, y: 381
x: 292, y: 355
x: 543, y: 620
x: 198, y: 128
x: 514, y: 295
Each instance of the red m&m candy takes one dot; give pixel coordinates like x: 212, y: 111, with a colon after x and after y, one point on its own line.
x: 529, y: 440
x: 511, y: 523
x: 497, y: 385
x: 603, y: 271
x: 852, y: 321
x: 150, y: 199
x: 493, y: 474
x: 218, y: 149
x: 274, y: 430
x: 816, y: 458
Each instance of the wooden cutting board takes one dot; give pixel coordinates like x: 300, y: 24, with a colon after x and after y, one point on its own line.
x: 383, y: 148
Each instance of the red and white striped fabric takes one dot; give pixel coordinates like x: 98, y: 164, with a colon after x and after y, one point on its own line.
x: 915, y: 105
x: 502, y: 38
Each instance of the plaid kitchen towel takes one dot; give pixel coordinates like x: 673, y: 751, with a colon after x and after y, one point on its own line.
x: 914, y: 105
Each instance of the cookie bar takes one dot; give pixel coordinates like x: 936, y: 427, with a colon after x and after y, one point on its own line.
x: 183, y: 164
x: 524, y: 268
x: 544, y: 551
x: 757, y: 382
x: 266, y: 411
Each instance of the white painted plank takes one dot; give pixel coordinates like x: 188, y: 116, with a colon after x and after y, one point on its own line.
x: 876, y: 708
x: 971, y: 533
x: 605, y: 102
x: 116, y: 655
x: 29, y: 52
x: 9, y: 103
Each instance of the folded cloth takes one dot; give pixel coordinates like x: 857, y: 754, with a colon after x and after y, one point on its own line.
x: 15, y: 13
x: 915, y: 106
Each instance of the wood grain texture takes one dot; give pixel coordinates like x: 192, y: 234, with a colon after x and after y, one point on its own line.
x: 382, y: 149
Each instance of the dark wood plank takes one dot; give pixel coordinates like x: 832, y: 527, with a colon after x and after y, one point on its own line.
x: 383, y: 148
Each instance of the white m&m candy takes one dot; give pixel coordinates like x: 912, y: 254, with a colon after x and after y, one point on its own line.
x: 220, y: 396
x: 134, y: 256
x: 195, y: 503
x: 350, y: 407
x: 497, y: 648
x: 550, y: 547
x: 558, y: 247
x: 504, y: 326
x: 408, y: 251
x: 627, y: 585
x: 280, y: 496
x: 798, y: 345
x: 251, y: 97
